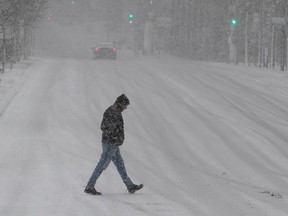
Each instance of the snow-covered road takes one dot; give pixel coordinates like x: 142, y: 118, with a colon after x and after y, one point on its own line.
x: 205, y: 139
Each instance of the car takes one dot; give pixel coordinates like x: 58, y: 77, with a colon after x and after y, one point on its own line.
x: 105, y: 51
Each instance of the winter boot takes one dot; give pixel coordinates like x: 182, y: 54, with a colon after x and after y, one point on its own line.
x: 135, y: 188
x: 92, y: 191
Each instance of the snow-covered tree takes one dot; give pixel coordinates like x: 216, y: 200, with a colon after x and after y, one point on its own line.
x: 17, y: 20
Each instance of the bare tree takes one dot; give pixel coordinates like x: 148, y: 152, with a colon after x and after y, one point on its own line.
x: 16, y: 15
x: 202, y: 29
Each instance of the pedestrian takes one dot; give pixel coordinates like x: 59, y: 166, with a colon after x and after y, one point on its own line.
x: 112, y: 127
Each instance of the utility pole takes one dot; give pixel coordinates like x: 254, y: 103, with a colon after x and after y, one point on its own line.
x: 272, y: 47
x: 246, y: 36
x: 260, y: 37
x: 4, y: 48
x: 286, y: 20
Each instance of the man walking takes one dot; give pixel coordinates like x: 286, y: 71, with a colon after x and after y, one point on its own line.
x: 112, y: 127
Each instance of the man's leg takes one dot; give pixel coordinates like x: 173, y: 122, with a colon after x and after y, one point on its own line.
x: 119, y: 163
x: 106, y: 157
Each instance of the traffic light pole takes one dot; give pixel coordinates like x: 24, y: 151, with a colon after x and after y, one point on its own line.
x: 232, y: 47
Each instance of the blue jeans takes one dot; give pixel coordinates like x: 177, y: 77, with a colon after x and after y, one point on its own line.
x: 110, y: 152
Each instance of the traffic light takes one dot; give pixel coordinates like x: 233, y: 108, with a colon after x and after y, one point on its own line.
x: 233, y: 21
x: 131, y: 16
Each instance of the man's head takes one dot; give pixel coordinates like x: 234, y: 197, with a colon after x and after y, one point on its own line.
x: 122, y: 101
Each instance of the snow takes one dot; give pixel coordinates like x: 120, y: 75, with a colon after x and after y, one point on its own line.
x: 205, y: 139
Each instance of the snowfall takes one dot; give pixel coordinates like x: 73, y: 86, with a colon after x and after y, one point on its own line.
x: 205, y: 139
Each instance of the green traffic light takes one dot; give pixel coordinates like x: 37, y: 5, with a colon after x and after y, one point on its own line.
x: 233, y: 21
x: 131, y: 16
